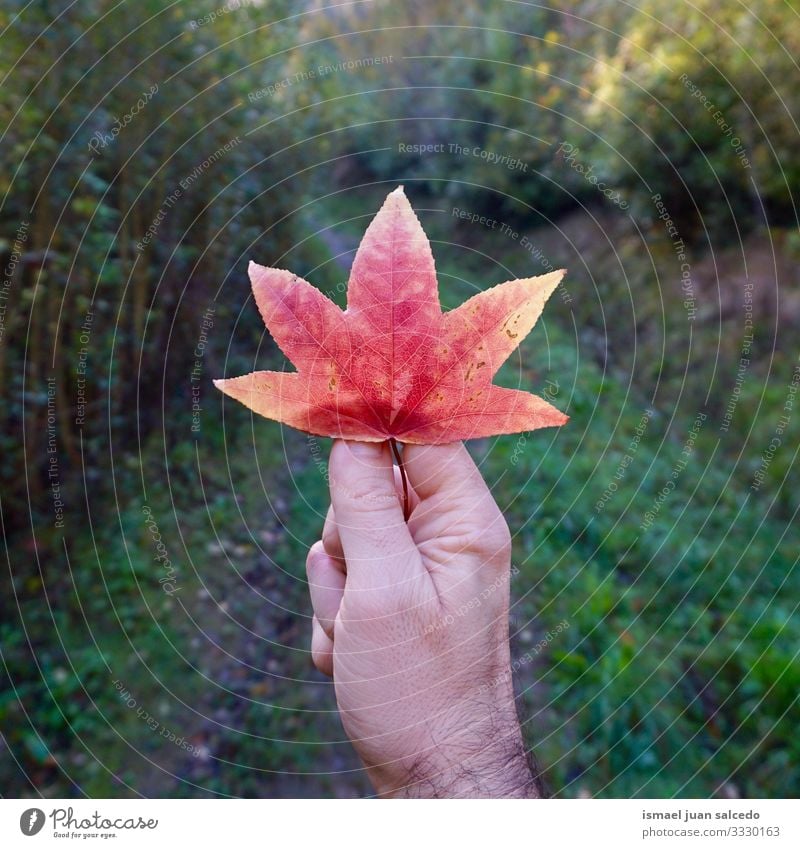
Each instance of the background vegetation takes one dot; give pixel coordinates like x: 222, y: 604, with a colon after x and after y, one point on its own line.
x: 126, y: 222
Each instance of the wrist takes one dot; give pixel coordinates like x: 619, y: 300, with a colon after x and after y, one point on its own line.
x: 481, y: 756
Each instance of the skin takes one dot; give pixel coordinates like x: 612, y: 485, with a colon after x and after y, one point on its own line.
x: 411, y: 621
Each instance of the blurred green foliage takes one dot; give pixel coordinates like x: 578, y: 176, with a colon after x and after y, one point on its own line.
x: 270, y: 137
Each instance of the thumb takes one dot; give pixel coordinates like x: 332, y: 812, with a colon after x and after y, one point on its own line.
x: 377, y: 544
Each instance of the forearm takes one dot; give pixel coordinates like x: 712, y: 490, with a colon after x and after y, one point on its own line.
x: 483, y: 756
x: 503, y: 774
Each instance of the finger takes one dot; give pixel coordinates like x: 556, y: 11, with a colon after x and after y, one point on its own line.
x: 377, y: 544
x: 443, y: 469
x: 456, y: 502
x: 330, y: 532
x: 321, y: 649
x: 331, y: 540
x: 326, y: 585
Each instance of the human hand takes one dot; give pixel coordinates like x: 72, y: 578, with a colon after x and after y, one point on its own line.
x: 411, y: 620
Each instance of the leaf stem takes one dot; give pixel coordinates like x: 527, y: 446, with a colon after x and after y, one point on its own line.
x: 399, y: 458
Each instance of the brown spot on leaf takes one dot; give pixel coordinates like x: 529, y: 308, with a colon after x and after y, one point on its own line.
x: 508, y: 332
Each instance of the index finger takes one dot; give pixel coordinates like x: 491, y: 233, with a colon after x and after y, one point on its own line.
x: 434, y: 469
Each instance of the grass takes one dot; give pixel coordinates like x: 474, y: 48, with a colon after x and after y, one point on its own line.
x: 653, y: 660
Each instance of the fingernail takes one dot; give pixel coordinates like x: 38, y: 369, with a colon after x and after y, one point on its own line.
x: 364, y: 450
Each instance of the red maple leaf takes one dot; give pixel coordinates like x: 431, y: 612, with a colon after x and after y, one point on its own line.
x: 393, y: 365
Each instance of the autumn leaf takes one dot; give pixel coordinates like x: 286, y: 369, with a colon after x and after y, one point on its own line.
x: 393, y: 365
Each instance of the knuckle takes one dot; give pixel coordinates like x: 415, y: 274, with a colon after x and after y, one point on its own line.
x: 488, y: 538
x: 395, y: 609
x: 321, y: 650
x: 314, y: 557
x: 502, y: 540
x: 330, y: 538
x: 495, y: 537
x: 364, y: 606
x: 369, y: 493
x: 321, y: 661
